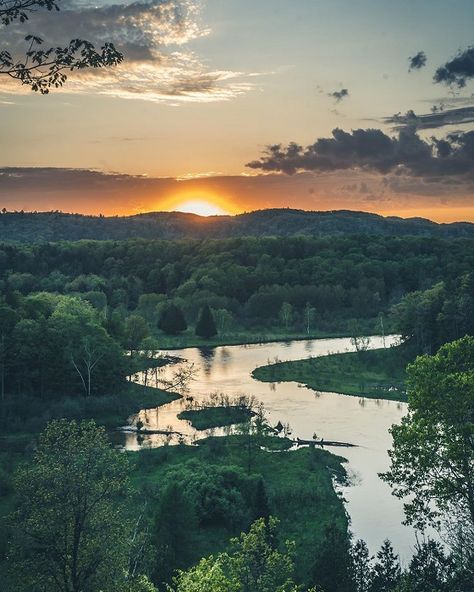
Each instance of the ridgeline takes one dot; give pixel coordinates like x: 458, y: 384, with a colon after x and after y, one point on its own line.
x: 58, y: 226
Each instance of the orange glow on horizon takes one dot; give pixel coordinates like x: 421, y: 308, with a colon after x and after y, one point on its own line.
x: 199, y: 202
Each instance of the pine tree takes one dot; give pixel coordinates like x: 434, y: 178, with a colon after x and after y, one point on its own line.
x: 387, y: 570
x: 206, y: 327
x: 361, y: 566
x: 172, y: 320
x: 262, y: 507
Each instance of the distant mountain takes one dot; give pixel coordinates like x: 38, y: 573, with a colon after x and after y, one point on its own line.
x: 56, y: 226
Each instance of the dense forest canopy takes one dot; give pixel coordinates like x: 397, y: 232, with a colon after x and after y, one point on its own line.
x: 86, y: 301
x: 55, y: 226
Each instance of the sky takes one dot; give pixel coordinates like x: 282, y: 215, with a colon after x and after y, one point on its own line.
x: 224, y: 106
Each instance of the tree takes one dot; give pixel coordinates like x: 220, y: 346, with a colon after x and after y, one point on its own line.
x: 79, y: 345
x: 224, y: 320
x: 332, y: 568
x: 86, y: 358
x: 70, y: 502
x: 387, y: 571
x: 8, y: 318
x: 286, y: 314
x: 43, y: 69
x: 206, y: 326
x: 361, y: 566
x: 207, y: 576
x: 433, y: 448
x: 175, y: 523
x: 254, y: 563
x: 172, y: 320
x: 262, y: 506
x: 430, y: 570
x: 309, y: 314
x: 136, y: 329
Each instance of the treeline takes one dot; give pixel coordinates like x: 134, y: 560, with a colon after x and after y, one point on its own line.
x: 444, y: 312
x: 58, y: 226
x: 294, y: 283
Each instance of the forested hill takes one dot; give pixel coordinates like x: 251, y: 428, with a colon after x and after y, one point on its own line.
x: 56, y: 226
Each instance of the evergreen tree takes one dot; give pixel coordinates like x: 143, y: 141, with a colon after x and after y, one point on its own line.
x: 175, y: 522
x: 262, y: 506
x: 332, y: 566
x: 386, y: 572
x: 361, y: 566
x: 172, y: 320
x: 206, y: 327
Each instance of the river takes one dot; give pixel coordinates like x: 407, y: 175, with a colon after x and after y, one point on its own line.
x: 375, y: 514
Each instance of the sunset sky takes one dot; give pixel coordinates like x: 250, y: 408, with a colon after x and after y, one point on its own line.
x: 208, y: 85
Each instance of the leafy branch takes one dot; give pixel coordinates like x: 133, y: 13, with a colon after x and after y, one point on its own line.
x: 43, y: 69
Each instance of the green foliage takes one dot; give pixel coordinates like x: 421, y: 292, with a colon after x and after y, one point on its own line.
x: 136, y: 330
x: 70, y: 508
x: 172, y: 320
x: 332, y: 567
x: 213, y: 417
x: 175, y: 524
x: 386, y: 572
x: 206, y: 326
x: 438, y: 315
x: 373, y: 373
x: 213, y: 478
x: 254, y: 563
x: 433, y: 449
x: 56, y: 345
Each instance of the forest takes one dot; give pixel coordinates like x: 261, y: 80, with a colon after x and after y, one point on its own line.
x: 20, y: 226
x: 243, y: 512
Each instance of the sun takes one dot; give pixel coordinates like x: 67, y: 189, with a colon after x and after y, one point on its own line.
x: 200, y: 207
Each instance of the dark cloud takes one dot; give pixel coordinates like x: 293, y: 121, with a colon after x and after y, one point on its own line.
x: 373, y: 150
x: 339, y: 95
x: 417, y: 61
x: 438, y: 117
x: 459, y: 70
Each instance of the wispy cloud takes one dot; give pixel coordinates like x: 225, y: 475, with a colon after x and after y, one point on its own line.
x: 439, y: 117
x: 154, y: 37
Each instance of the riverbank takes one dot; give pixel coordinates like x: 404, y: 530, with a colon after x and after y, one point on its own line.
x: 298, y: 486
x: 189, y: 339
x: 376, y: 374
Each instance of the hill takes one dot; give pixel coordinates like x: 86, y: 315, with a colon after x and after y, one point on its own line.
x: 57, y: 226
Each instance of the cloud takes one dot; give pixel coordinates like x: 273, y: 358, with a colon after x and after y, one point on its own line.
x: 339, y: 95
x: 373, y: 150
x: 458, y: 71
x: 94, y: 192
x: 152, y: 35
x: 439, y: 117
x: 417, y: 61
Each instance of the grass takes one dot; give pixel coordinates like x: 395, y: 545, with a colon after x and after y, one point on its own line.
x: 215, y: 417
x: 299, y: 485
x: 378, y: 374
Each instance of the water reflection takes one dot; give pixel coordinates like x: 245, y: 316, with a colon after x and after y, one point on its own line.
x: 375, y: 514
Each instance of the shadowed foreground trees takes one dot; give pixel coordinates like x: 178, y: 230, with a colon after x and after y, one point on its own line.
x: 433, y: 451
x: 71, y: 532
x: 253, y: 564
